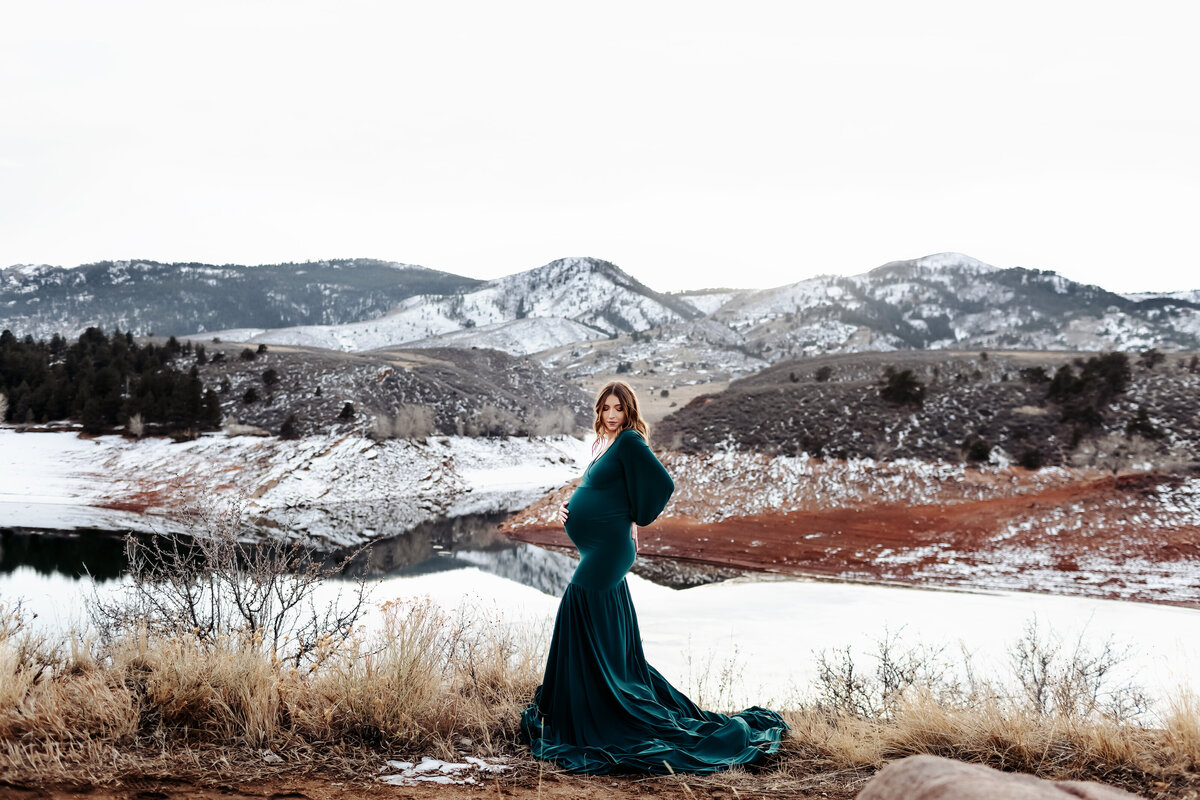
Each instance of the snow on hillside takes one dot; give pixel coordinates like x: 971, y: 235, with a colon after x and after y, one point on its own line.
x: 732, y: 483
x: 955, y: 261
x: 593, y: 295
x: 341, y: 490
x: 519, y: 337
x: 696, y: 351
x: 20, y: 273
x: 1188, y: 295
x: 754, y: 307
x: 707, y: 301
x: 951, y: 270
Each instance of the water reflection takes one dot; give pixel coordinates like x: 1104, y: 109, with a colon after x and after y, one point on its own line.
x: 443, y: 545
x: 473, y: 540
x: 76, y: 554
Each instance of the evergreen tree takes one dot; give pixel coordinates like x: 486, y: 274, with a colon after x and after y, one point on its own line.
x: 93, y: 418
x: 290, y: 429
x: 901, y: 388
x: 210, y: 410
x: 99, y: 379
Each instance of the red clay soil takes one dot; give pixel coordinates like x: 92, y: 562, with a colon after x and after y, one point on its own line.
x: 1086, y: 538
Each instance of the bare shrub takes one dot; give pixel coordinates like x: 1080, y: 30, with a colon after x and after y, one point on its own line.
x: 382, y: 427
x: 411, y: 421
x: 215, y: 582
x: 1078, y: 683
x: 136, y: 426
x: 1115, y: 452
x: 3, y: 406
x: 875, y: 694
x: 1047, y: 680
x: 553, y: 422
x: 489, y: 420
x: 713, y: 685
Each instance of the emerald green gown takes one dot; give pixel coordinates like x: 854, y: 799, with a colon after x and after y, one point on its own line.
x: 601, y: 707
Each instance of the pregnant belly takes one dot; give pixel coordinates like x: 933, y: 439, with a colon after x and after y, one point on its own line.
x: 601, y: 532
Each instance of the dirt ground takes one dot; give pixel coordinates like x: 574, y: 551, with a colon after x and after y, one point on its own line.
x: 1102, y: 548
x: 530, y: 785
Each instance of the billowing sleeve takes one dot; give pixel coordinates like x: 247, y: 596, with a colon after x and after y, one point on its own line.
x: 646, y: 480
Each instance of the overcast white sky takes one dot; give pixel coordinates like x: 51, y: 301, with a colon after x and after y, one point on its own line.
x: 692, y: 143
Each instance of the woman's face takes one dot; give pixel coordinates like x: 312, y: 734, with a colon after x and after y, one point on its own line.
x: 612, y: 414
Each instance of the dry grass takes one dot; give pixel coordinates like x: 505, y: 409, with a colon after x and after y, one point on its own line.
x: 1183, y: 729
x: 426, y: 680
x: 84, y: 712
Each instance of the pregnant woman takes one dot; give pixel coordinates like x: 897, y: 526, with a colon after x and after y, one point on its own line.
x: 601, y: 707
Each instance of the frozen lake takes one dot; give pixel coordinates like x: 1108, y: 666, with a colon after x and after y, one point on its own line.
x: 768, y: 630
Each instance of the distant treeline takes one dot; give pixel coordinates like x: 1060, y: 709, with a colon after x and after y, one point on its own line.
x: 104, y: 381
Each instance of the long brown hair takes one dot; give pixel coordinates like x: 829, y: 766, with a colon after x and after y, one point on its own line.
x: 628, y: 400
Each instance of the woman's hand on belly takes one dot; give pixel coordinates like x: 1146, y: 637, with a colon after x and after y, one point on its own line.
x: 562, y: 515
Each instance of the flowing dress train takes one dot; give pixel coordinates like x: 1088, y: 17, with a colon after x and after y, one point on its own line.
x: 601, y: 707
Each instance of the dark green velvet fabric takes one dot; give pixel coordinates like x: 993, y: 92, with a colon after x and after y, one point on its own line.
x: 601, y: 707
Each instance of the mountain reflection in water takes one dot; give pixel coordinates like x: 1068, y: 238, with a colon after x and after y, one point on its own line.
x: 443, y: 545
x: 473, y: 540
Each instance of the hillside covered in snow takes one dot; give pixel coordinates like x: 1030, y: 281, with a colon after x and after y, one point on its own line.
x: 584, y: 316
x: 336, y: 490
x: 569, y: 300
x: 148, y: 297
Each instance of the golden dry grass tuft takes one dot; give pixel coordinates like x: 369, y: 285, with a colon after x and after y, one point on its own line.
x: 423, y: 682
x: 1182, y: 728
x: 431, y: 682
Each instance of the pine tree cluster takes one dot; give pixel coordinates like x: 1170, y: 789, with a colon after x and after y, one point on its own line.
x: 102, y: 381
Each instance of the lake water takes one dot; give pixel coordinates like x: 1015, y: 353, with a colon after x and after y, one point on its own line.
x: 767, y: 631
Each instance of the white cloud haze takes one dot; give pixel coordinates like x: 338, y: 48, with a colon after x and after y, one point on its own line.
x: 693, y: 144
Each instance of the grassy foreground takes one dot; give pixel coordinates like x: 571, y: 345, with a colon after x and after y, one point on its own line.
x: 427, y: 682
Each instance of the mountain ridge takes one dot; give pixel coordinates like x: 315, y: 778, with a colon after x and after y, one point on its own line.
x: 147, y: 297
x: 938, y: 301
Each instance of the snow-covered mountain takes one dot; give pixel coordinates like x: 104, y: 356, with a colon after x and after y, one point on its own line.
x: 950, y: 300
x: 149, y: 297
x: 569, y: 300
x: 587, y: 316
